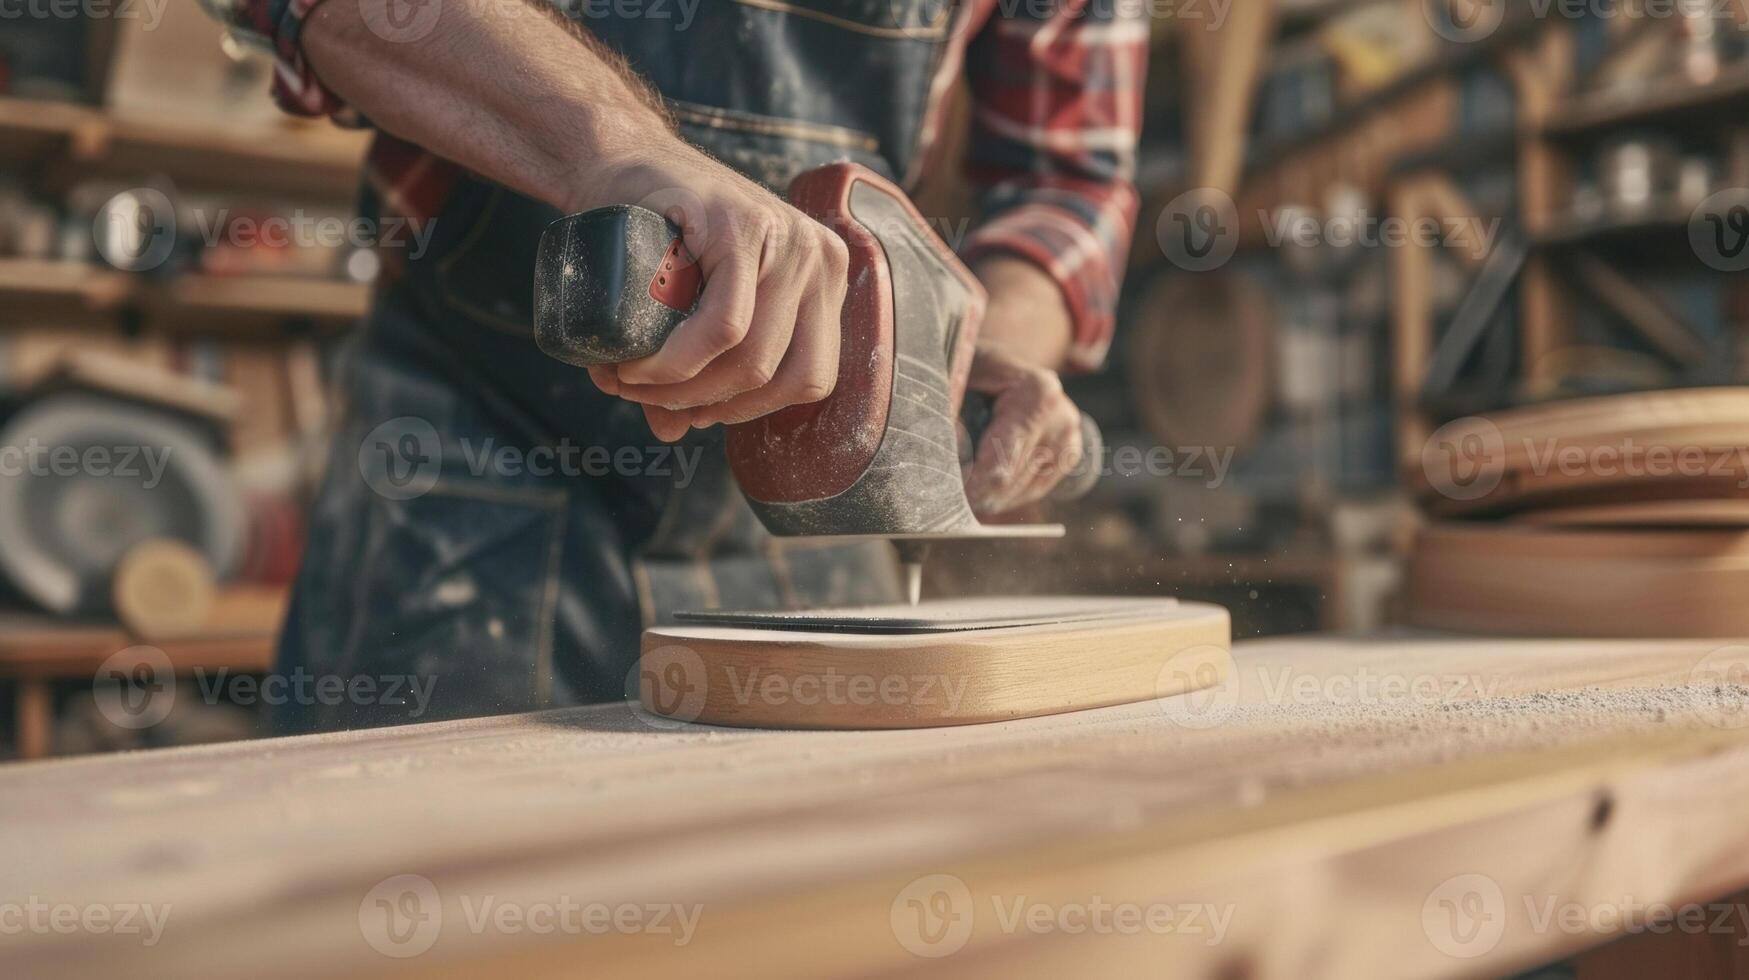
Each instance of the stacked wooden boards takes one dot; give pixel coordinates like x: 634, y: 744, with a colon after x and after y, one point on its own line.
x: 1328, y: 813
x: 1625, y: 515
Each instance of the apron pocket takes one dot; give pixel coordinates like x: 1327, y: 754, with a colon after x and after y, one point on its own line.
x: 458, y: 591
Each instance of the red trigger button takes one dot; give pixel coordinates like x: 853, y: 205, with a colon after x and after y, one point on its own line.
x: 679, y: 280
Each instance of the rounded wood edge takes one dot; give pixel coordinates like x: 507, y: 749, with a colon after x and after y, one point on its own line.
x: 793, y: 680
x: 1706, y: 424
x: 1709, y: 514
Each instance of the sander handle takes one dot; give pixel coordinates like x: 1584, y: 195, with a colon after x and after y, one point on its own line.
x: 611, y: 284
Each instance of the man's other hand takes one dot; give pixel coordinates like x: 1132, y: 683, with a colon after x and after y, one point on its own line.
x: 1034, y: 436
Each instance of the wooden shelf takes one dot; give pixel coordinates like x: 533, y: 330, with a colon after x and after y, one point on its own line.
x: 188, y: 301
x: 32, y: 129
x: 1569, y: 231
x: 1670, y: 102
x: 313, y: 162
x: 50, y: 281
x: 298, y: 161
x: 258, y: 296
x: 1347, y: 118
x: 1464, y: 152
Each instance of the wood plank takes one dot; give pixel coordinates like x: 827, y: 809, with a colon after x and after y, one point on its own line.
x: 197, y: 298
x: 1684, y: 442
x: 39, y: 280
x: 34, y: 129
x: 1325, y: 802
x: 1644, y: 513
x: 239, y: 633
x: 1662, y: 102
x: 1411, y: 325
x: 316, y: 161
x: 1225, y: 59
x: 188, y: 301
x: 1663, y: 950
x: 1057, y: 654
x: 1502, y: 578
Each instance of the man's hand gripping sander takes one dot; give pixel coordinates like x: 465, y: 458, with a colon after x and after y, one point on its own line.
x: 879, y: 456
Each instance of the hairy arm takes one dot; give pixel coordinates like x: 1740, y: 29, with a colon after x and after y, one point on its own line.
x: 512, y: 93
x: 503, y: 89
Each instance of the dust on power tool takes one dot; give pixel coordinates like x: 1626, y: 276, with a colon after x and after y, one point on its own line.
x: 879, y: 457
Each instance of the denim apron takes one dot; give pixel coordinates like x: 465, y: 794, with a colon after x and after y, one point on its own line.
x: 492, y: 533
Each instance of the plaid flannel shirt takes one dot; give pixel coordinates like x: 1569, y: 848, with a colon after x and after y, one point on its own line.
x: 1056, y: 111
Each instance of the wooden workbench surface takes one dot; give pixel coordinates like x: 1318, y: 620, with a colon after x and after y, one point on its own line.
x: 1393, y: 807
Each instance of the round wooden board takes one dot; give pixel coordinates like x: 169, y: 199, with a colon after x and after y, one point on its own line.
x: 779, y: 678
x: 1676, y: 444
x: 1491, y: 578
x: 1201, y: 350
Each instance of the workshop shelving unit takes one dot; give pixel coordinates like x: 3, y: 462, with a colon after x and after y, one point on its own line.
x: 256, y: 333
x: 1324, y: 446
x: 61, y: 141
x: 1562, y: 125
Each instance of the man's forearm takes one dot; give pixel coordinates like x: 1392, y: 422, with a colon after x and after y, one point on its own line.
x: 503, y: 90
x: 1027, y: 313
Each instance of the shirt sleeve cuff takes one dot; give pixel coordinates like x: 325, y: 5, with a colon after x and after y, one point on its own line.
x: 1079, y: 268
x: 296, y: 88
